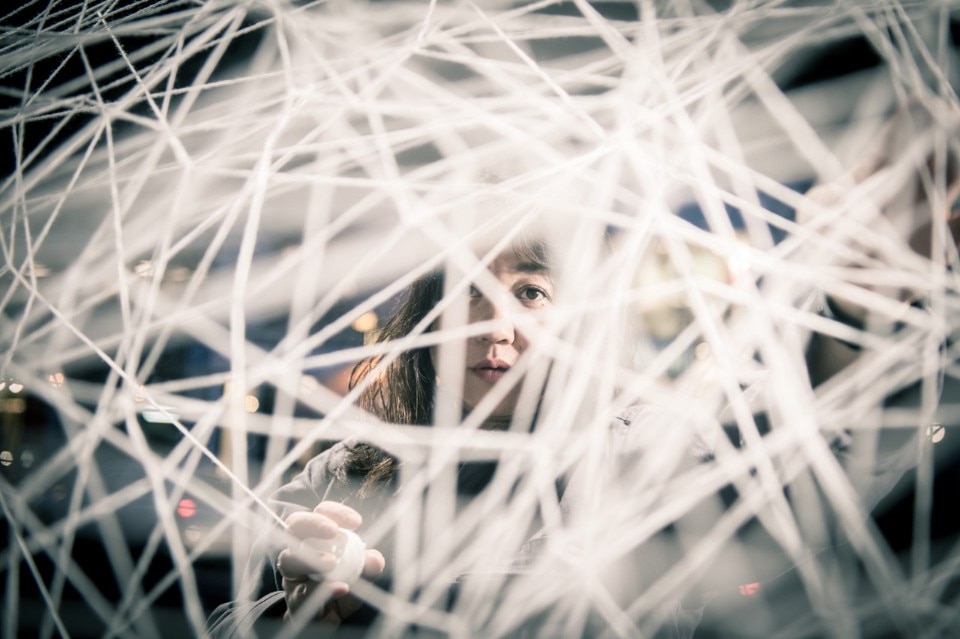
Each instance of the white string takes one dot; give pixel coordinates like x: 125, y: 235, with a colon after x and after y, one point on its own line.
x: 232, y: 166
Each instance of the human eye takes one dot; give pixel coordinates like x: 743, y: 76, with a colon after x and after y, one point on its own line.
x: 474, y: 293
x: 532, y: 295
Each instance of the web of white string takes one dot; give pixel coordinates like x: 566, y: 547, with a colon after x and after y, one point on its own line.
x: 191, y: 194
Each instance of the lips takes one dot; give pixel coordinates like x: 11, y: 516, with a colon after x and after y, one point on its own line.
x: 490, y: 370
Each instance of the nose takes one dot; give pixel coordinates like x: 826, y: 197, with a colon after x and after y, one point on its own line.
x: 501, y: 330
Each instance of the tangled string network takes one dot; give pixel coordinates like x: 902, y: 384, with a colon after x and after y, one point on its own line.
x: 209, y: 209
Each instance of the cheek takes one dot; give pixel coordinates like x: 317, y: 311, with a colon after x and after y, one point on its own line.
x: 520, y: 341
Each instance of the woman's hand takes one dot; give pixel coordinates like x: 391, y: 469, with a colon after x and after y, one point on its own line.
x: 298, y: 562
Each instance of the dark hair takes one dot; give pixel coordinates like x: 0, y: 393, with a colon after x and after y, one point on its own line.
x: 404, y: 391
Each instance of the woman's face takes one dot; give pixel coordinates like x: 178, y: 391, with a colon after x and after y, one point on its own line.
x: 492, y: 353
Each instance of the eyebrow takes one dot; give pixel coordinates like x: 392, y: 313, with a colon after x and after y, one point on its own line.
x: 531, y: 267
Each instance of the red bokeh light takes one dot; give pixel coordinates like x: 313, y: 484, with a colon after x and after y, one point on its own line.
x: 188, y: 508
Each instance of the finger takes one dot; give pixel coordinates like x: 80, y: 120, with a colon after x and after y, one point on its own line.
x: 295, y: 565
x: 342, y: 514
x: 338, y: 589
x: 303, y: 525
x: 373, y: 564
x: 297, y: 593
x: 342, y: 607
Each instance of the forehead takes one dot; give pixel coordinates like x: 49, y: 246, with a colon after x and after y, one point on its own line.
x: 514, y: 261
